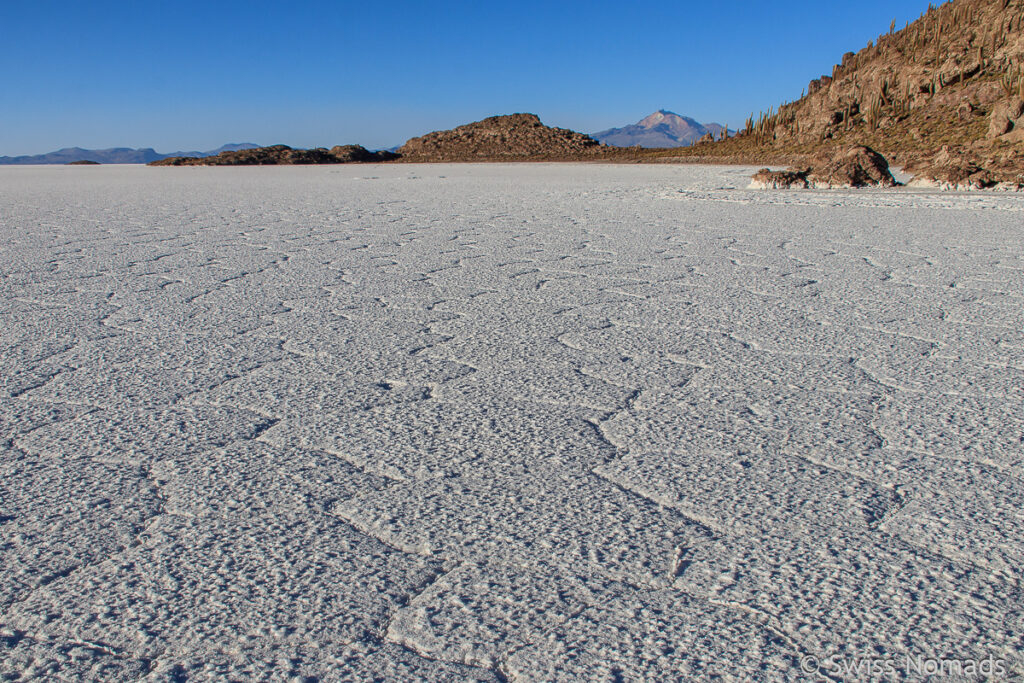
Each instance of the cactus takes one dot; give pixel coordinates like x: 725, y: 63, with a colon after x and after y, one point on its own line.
x: 1008, y: 83
x: 884, y: 92
x: 872, y: 115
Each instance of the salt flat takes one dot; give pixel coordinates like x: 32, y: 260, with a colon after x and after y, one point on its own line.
x: 505, y: 422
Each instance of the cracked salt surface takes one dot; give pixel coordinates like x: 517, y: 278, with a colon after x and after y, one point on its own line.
x: 505, y: 422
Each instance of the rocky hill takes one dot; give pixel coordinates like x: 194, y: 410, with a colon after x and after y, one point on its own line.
x: 946, y: 90
x: 661, y: 129
x: 510, y: 137
x: 277, y: 155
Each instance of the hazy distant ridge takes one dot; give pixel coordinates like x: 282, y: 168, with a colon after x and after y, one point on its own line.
x: 114, y: 155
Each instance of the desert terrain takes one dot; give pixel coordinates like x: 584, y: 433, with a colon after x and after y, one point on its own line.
x: 505, y: 422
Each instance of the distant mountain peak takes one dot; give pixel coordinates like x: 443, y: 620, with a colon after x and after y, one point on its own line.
x: 663, y: 128
x: 664, y: 116
x: 657, y: 117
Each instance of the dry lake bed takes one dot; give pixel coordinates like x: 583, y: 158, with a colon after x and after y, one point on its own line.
x: 506, y: 423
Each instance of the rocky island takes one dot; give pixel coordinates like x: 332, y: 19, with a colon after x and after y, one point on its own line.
x: 943, y: 98
x: 502, y: 138
x: 277, y: 155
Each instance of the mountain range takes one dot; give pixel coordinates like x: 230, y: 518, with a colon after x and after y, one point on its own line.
x: 661, y: 129
x: 114, y: 155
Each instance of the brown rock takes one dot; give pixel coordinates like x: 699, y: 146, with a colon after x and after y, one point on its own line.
x: 277, y: 155
x: 356, y: 153
x: 1015, y: 109
x: 1004, y: 117
x: 948, y: 170
x: 818, y: 83
x: 1015, y: 135
x: 856, y: 167
x: 766, y: 179
x: 515, y: 136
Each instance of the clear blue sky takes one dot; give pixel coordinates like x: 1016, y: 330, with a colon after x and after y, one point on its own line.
x: 193, y: 75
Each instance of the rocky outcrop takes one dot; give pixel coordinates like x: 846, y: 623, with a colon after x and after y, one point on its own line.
x: 347, y: 154
x: 83, y: 162
x: 499, y: 138
x: 282, y: 155
x: 948, y: 171
x: 856, y: 167
x: 766, y: 179
x: 1007, y: 116
x: 951, y: 170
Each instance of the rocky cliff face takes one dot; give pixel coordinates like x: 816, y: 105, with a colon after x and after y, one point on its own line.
x: 953, y: 78
x: 515, y: 136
